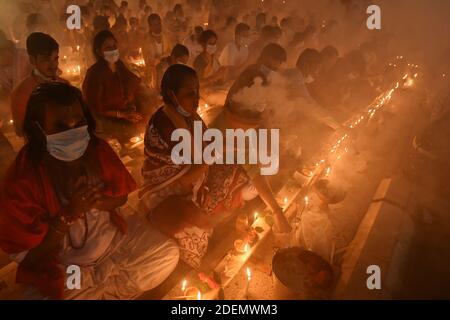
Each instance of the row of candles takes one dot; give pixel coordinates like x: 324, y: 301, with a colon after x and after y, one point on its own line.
x: 382, y: 100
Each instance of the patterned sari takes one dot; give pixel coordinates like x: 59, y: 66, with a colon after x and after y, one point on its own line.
x: 215, y: 194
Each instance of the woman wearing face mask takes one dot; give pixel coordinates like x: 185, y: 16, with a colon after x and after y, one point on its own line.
x: 184, y: 201
x: 207, y: 64
x: 112, y: 91
x: 62, y: 204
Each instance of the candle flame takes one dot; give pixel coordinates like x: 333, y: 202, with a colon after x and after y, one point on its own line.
x: 249, y: 274
x: 256, y: 216
x: 306, y: 200
x: 409, y: 83
x: 199, y: 295
x: 246, y: 247
x: 183, y: 285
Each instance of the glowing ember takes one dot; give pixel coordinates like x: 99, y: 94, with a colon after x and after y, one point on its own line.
x: 249, y: 274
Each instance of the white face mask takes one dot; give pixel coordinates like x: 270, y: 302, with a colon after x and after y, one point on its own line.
x: 211, y: 49
x: 69, y: 145
x: 111, y: 56
x: 309, y: 79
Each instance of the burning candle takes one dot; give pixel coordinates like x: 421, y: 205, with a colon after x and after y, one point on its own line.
x: 11, y: 121
x: 199, y: 295
x: 192, y: 293
x: 249, y: 277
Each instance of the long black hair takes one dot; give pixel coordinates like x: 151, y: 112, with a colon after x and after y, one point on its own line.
x: 50, y: 93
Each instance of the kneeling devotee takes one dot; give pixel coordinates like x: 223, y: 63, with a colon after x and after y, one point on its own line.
x: 62, y: 204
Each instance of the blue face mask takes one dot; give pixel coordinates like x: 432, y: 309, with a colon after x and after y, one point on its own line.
x: 180, y: 109
x: 183, y: 112
x: 69, y: 145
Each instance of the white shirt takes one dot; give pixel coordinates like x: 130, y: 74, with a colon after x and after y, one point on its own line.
x: 100, y: 234
x: 194, y: 49
x: 233, y: 56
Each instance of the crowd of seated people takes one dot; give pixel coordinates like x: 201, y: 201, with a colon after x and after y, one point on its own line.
x: 63, y: 199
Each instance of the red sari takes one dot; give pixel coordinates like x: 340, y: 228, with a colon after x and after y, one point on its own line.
x: 28, y: 201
